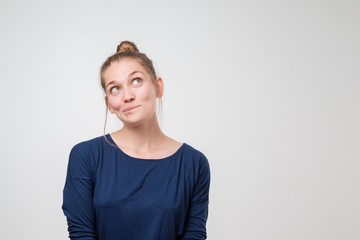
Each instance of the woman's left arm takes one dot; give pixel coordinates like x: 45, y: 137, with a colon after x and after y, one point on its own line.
x: 195, y: 225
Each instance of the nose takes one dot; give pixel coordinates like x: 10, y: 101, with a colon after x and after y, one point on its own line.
x: 128, y: 95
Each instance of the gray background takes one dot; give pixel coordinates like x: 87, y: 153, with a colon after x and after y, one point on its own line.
x: 268, y: 90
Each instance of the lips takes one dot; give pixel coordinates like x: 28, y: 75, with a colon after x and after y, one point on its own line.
x: 130, y: 108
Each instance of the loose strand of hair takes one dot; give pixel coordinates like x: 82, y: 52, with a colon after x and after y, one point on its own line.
x: 106, y: 140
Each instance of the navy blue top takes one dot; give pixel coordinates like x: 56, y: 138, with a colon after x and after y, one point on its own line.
x: 109, y: 195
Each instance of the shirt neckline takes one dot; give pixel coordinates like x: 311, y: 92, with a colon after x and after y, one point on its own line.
x: 144, y: 159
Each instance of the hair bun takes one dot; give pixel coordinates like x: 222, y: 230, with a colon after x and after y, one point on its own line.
x: 127, y: 46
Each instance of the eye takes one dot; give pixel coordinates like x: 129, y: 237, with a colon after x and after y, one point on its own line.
x: 136, y: 81
x: 114, y: 89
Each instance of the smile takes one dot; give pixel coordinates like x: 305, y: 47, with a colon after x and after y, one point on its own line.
x: 130, y: 108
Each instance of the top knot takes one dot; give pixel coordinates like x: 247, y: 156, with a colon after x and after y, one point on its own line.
x: 126, y: 46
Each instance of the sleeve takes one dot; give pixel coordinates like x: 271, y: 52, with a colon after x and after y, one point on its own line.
x: 78, y: 196
x: 195, y: 224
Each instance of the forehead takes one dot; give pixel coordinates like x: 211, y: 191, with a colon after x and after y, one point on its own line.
x: 120, y: 70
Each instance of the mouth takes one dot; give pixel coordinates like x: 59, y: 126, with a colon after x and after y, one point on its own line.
x: 130, y: 108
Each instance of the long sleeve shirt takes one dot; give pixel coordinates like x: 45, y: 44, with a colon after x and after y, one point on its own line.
x: 109, y: 195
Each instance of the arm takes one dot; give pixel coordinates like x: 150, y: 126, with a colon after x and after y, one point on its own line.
x: 195, y: 225
x: 78, y: 196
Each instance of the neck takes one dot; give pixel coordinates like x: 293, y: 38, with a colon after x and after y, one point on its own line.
x: 142, y: 137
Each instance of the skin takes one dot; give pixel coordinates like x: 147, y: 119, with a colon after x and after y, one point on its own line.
x: 128, y: 84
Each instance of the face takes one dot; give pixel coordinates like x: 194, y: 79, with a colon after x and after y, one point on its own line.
x: 130, y: 92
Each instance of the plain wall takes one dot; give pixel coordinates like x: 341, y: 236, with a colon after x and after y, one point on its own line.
x: 269, y: 91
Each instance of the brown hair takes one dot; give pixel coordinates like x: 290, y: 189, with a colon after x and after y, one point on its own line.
x: 127, y: 49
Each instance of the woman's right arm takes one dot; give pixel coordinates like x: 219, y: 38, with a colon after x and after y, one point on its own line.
x: 78, y: 195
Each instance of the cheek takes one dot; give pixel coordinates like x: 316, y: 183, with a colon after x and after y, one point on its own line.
x: 148, y: 100
x: 148, y: 95
x: 113, y: 103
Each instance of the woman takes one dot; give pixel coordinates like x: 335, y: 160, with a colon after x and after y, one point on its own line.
x: 136, y: 183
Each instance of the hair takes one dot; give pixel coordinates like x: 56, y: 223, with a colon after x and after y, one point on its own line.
x: 128, y: 50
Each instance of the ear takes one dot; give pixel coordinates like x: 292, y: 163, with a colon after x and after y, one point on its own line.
x: 160, y: 87
x: 107, y: 105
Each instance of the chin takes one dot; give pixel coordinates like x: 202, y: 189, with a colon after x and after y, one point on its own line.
x: 137, y: 121
x: 132, y: 120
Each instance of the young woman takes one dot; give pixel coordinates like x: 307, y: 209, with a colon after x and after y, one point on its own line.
x: 136, y: 183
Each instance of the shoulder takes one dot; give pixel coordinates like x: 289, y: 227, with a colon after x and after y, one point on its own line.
x: 193, y: 152
x: 89, y: 145
x: 195, y: 156
x: 198, y: 164
x: 85, y: 155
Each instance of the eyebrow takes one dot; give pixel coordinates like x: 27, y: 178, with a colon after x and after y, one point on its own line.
x: 131, y: 74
